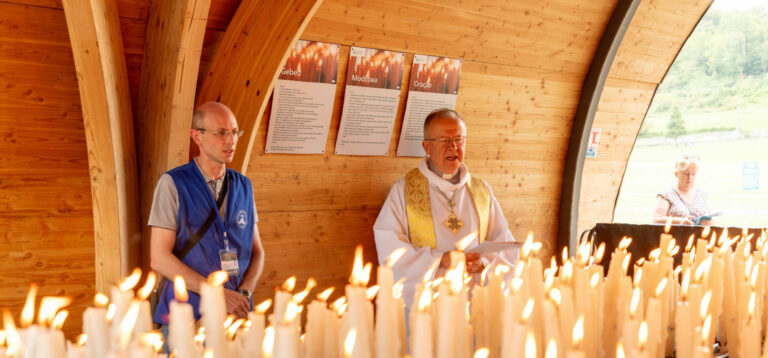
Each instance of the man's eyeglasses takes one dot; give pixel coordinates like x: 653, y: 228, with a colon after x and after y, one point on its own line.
x: 222, y: 133
x: 446, y: 141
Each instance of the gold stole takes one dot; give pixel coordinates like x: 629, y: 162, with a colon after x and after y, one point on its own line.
x: 421, y: 227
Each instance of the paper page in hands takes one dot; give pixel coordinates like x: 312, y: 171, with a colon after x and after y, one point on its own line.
x: 494, y: 247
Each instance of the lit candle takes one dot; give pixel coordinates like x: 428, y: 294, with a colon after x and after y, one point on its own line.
x: 122, y: 296
x: 421, y: 330
x: 749, y: 331
x: 577, y: 337
x: 96, y: 328
x: 359, y: 314
x: 144, y: 320
x: 388, y: 340
x: 213, y: 309
x: 181, y: 322
x: 287, y: 334
x: 250, y: 342
x: 683, y: 324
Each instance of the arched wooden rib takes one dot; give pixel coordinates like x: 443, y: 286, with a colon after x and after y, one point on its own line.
x: 97, y: 46
x: 582, y: 121
x: 174, y: 42
x: 246, y: 64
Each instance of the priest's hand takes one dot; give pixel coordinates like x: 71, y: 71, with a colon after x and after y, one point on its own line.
x: 236, y: 304
x: 474, y: 264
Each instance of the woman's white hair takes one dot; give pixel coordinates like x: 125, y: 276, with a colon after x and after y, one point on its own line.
x: 686, y: 161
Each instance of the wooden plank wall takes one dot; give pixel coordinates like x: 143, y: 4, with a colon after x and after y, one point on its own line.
x: 46, y: 218
x: 656, y: 34
x: 521, y: 79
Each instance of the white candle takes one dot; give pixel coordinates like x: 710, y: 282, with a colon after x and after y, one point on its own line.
x: 387, y: 337
x: 213, y: 309
x: 96, y: 328
x: 287, y: 334
x: 181, y: 322
x: 421, y: 330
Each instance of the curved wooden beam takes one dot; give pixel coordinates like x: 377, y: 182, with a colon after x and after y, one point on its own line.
x: 174, y: 42
x: 585, y: 115
x: 97, y: 47
x: 247, y: 63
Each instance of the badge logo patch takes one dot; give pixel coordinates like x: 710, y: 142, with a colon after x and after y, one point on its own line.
x: 242, y: 219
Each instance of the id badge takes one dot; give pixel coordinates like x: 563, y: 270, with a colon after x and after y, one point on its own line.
x: 228, y: 258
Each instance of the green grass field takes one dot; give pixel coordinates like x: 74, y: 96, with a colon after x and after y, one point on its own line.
x: 651, y: 170
x: 747, y: 118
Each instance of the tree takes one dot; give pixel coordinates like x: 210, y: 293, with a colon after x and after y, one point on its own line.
x: 676, y: 125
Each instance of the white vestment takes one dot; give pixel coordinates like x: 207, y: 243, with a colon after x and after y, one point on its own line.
x: 391, y: 228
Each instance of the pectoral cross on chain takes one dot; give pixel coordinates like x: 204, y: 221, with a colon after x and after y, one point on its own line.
x: 453, y: 223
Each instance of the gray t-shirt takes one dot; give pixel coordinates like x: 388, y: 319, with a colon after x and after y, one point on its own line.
x: 165, y: 204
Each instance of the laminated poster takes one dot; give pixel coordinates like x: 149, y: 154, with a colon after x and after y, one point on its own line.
x: 434, y: 84
x: 371, y: 99
x: 302, y: 101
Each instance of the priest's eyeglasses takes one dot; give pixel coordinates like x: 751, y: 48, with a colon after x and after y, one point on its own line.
x: 447, y: 141
x: 222, y: 133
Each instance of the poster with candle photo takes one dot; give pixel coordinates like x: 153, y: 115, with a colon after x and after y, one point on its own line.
x: 371, y: 99
x: 434, y: 84
x: 302, y: 102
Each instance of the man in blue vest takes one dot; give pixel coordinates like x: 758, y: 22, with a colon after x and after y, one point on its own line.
x: 203, y: 218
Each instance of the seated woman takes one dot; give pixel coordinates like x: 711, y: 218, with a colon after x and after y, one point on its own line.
x: 683, y: 202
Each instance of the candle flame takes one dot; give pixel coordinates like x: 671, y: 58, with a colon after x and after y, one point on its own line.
x: 685, y: 284
x: 28, y: 313
x: 208, y: 353
x: 705, y: 304
x: 289, y: 284
x: 620, y: 351
x: 705, y: 231
x: 519, y: 268
x: 654, y: 255
x: 268, y: 345
x: 582, y: 253
x: 349, y: 342
x: 180, y: 289
x: 660, y: 287
x: 668, y: 225
x: 594, y: 280
x: 262, y: 307
x: 81, y: 339
x: 100, y: 300
x: 567, y: 271
x: 454, y: 278
x: 527, y: 310
x: 536, y: 247
x: 753, y: 276
x: 556, y: 296
x: 12, y: 338
x: 425, y: 300
x: 149, y: 285
x: 228, y: 321
x: 689, y: 245
x: 530, y: 345
x: 671, y: 246
x: 48, y: 308
x: 578, y: 332
x: 323, y: 296
x: 358, y: 271
x: 462, y: 244
x: 131, y: 281
x: 549, y: 279
x: 752, y: 304
x: 200, y: 336
x: 395, y: 256
x: 501, y: 270
x: 525, y: 251
x: 638, y: 277
x: 634, y: 303
x: 127, y: 324
x: 111, y: 309
x: 642, y: 335
x: 371, y: 292
x: 674, y: 250
x: 482, y: 353
x: 152, y: 339
x: 551, y: 351
x: 626, y: 261
x: 58, y: 320
x: 217, y: 278
x: 702, y: 269
x: 232, y: 329
x: 624, y: 243
x: 600, y: 253
x: 705, y: 329
x: 517, y: 283
x: 565, y: 254
x: 301, y: 296
x: 291, y: 311
x: 431, y: 272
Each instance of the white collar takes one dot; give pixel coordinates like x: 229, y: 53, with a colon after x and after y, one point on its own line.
x: 441, y: 183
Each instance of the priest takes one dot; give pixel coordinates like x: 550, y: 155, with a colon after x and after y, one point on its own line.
x: 436, y: 205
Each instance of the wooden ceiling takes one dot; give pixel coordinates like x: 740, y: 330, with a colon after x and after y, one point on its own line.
x: 525, y: 63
